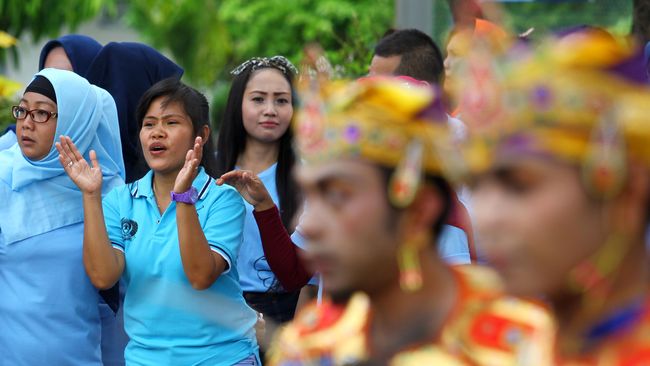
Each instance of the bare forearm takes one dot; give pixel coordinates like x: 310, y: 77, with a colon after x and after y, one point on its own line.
x: 202, y: 266
x: 103, y: 265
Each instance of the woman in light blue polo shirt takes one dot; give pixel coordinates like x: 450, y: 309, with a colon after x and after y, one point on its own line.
x: 173, y: 236
x: 49, y: 309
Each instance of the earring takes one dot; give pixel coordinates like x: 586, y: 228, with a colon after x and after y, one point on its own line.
x: 604, y: 168
x: 410, y: 273
x: 406, y: 178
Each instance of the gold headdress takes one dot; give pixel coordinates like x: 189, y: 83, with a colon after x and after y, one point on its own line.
x: 571, y: 98
x: 582, y: 99
x: 385, y: 120
x: 390, y: 121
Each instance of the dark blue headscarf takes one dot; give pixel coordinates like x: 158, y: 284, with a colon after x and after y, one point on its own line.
x: 81, y: 51
x: 127, y: 70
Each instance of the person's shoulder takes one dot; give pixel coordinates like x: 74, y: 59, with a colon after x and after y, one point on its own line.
x: 328, y: 330
x: 482, y: 284
x: 629, y: 345
x: 481, y: 279
x: 493, y: 325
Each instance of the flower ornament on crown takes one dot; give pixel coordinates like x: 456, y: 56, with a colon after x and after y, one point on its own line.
x: 573, y: 98
x: 386, y: 120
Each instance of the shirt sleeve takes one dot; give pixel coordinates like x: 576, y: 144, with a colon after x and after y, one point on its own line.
x: 110, y: 205
x: 453, y: 246
x: 280, y: 250
x: 224, y: 225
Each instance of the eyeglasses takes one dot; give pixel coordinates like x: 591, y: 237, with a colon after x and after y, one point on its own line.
x: 278, y: 62
x: 38, y: 115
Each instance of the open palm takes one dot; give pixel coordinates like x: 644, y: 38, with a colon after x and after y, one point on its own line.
x: 189, y: 171
x: 88, y: 178
x: 250, y: 187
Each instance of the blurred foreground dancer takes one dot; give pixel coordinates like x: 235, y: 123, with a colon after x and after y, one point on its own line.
x: 376, y: 203
x: 561, y: 190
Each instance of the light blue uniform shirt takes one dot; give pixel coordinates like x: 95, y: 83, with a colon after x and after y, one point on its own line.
x: 49, y: 311
x: 8, y: 140
x: 254, y: 271
x: 169, y: 322
x: 453, y: 246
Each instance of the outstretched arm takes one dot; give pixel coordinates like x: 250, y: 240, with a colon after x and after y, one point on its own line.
x: 104, y: 264
x: 280, y: 251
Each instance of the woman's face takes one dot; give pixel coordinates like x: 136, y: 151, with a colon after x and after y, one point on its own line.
x: 166, y: 135
x: 36, y: 138
x: 266, y: 106
x: 457, y: 48
x: 58, y: 59
x: 535, y: 223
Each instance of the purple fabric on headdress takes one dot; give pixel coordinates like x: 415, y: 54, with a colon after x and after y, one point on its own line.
x: 520, y: 144
x: 435, y: 111
x: 632, y: 69
x: 646, y: 59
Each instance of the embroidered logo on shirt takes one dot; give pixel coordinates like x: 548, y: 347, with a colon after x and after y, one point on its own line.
x: 129, y: 228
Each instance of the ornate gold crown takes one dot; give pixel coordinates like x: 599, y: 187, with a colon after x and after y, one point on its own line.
x: 388, y: 121
x: 572, y: 98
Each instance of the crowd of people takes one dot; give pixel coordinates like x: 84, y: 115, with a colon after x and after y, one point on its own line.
x: 485, y: 207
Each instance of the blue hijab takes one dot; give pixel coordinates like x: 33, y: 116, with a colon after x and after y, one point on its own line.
x: 38, y: 196
x: 127, y: 70
x: 80, y: 49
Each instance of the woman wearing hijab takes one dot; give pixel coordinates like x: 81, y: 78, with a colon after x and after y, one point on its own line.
x: 50, y: 310
x: 73, y: 52
x: 127, y: 70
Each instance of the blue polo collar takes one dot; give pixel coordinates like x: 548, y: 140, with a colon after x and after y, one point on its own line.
x: 143, y: 187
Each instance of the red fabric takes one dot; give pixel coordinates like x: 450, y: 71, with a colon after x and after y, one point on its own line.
x: 281, y: 253
x: 459, y: 217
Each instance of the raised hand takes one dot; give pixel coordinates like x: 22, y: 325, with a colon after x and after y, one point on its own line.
x: 190, y: 169
x: 87, y: 178
x: 250, y: 187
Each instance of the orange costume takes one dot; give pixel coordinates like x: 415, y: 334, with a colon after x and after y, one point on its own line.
x: 622, y: 340
x: 486, y: 327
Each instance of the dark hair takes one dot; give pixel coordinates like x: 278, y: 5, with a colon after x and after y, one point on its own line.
x: 232, y: 142
x: 439, y: 183
x: 420, y: 56
x: 193, y: 102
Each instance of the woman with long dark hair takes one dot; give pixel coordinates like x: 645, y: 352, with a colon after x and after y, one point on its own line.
x: 255, y: 154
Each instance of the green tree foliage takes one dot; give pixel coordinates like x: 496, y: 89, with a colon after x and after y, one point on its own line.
x: 548, y: 16
x: 190, y: 29
x: 210, y: 38
x: 45, y: 18
x: 614, y: 15
x: 347, y: 30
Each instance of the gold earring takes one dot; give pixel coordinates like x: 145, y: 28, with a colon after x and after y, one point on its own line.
x: 410, y: 272
x: 407, y: 177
